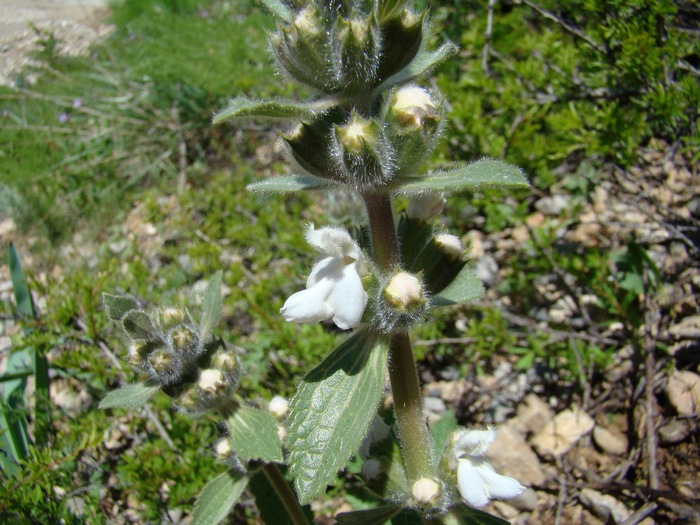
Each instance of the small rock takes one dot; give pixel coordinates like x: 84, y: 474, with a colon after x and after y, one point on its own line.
x: 505, y: 510
x: 563, y: 309
x: 604, y: 506
x: 687, y: 328
x: 7, y: 226
x: 610, y: 441
x: 674, y: 432
x: 532, y: 415
x: 562, y: 433
x: 486, y: 269
x: 552, y: 205
x: 512, y: 456
x: 683, y: 391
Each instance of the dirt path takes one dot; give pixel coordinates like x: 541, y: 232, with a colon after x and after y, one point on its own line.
x: 74, y: 23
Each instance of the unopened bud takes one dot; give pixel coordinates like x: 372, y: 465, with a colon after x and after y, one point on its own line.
x: 136, y: 353
x: 190, y: 399
x: 450, y: 244
x: 211, y: 381
x: 183, y: 337
x: 222, y: 447
x: 354, y: 135
x: 404, y: 292
x: 282, y: 433
x: 425, y: 206
x: 360, y: 29
x: 169, y: 317
x: 371, y: 469
x: 278, y: 407
x: 412, y: 105
x: 426, y: 491
x: 161, y: 360
x: 306, y: 22
x: 228, y: 364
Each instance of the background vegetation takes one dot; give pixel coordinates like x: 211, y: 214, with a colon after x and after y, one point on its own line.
x: 114, y: 179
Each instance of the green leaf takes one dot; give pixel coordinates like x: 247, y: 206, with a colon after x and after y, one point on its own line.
x: 376, y: 516
x: 25, y: 305
x: 289, y: 183
x: 13, y: 420
x: 468, y: 516
x: 269, y: 504
x: 130, y: 396
x: 278, y: 9
x: 241, y: 107
x: 218, y: 497
x: 118, y: 305
x: 212, y: 305
x: 332, y: 410
x: 254, y: 435
x: 138, y: 325
x: 407, y: 517
x: 478, y: 175
x: 422, y: 63
x: 441, y: 432
x: 42, y: 400
x: 465, y: 287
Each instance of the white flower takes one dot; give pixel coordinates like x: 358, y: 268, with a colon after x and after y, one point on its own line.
x: 450, y: 244
x: 476, y: 479
x: 425, y: 491
x: 404, y: 291
x: 278, y: 407
x: 412, y: 105
x: 334, y: 288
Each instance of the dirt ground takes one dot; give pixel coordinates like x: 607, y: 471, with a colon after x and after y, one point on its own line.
x: 25, y: 23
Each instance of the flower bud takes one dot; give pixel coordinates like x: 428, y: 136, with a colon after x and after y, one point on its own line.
x: 306, y: 23
x: 191, y: 400
x: 282, y: 433
x: 227, y: 362
x: 356, y: 134
x: 211, y: 381
x: 161, y: 360
x: 425, y: 206
x: 404, y: 292
x: 412, y: 106
x: 222, y: 448
x: 138, y: 352
x: 450, y: 244
x: 426, y: 491
x: 169, y: 317
x: 183, y: 338
x: 278, y: 407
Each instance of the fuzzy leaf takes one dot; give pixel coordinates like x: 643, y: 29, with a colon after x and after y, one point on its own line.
x: 129, y: 396
x: 218, y: 498
x: 290, y: 183
x: 376, y: 516
x: 241, y: 107
x: 138, y: 325
x: 332, y: 410
x: 117, y: 306
x: 464, y: 288
x: 212, y: 305
x: 421, y: 64
x: 278, y: 9
x: 254, y: 435
x: 486, y: 173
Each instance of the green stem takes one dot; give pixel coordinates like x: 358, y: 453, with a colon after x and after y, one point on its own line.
x: 285, y: 494
x: 414, y: 436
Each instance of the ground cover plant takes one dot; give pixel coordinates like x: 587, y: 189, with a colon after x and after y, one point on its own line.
x: 591, y: 280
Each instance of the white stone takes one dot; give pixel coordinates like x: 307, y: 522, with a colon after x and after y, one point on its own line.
x: 561, y: 434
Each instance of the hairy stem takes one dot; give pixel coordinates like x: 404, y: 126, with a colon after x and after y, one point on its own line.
x: 284, y: 492
x: 413, y: 433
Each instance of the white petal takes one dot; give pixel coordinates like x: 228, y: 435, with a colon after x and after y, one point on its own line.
x: 334, y: 242
x: 497, y: 485
x: 470, y: 484
x: 473, y: 442
x: 309, y: 306
x: 328, y: 268
x: 348, y: 299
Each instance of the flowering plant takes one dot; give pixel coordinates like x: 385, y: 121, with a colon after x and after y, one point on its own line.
x: 369, y: 130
